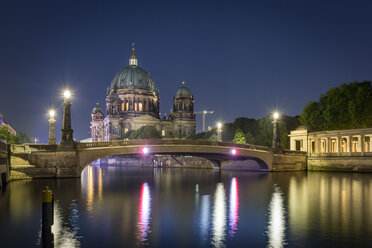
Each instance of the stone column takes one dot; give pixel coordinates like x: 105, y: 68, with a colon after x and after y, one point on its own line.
x: 319, y: 145
x: 67, y: 130
x: 362, y: 145
x: 349, y: 144
x: 275, y: 143
x: 339, y: 145
x: 329, y: 144
x: 52, y: 134
x: 219, y: 134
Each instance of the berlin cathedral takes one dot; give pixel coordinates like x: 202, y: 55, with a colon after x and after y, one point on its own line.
x: 132, y: 101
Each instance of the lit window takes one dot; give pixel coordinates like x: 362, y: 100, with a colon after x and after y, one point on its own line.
x: 135, y: 106
x: 162, y: 132
x: 125, y: 130
x: 122, y: 106
x: 140, y: 107
x: 127, y: 106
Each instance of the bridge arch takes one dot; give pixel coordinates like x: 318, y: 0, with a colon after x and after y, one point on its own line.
x: 219, y: 153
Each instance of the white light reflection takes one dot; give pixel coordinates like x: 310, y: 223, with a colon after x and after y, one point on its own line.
x: 219, y: 217
x: 234, y: 207
x: 65, y: 236
x: 276, y: 226
x: 144, y: 212
x: 204, y: 217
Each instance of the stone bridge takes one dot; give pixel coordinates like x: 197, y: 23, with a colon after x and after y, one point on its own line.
x: 32, y: 160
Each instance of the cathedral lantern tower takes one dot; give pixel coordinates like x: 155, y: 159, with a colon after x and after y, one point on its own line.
x: 96, y: 126
x: 183, y: 112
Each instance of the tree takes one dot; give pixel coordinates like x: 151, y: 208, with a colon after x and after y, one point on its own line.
x: 239, y: 137
x: 145, y: 132
x: 210, y: 135
x: 23, y: 137
x: 8, y: 136
x: 344, y: 107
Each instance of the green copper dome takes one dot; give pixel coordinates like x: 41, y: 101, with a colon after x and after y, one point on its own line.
x: 97, y: 109
x: 183, y: 91
x: 133, y: 77
x: 114, y: 96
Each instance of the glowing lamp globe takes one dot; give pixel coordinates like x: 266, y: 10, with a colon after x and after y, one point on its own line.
x: 276, y: 115
x: 145, y: 150
x: 51, y: 113
x: 233, y: 151
x: 67, y: 94
x: 219, y: 125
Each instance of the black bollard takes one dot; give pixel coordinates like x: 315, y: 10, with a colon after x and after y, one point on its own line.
x: 47, y: 218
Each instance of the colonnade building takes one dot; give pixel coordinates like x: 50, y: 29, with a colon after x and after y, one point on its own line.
x: 133, y: 101
x: 350, y: 142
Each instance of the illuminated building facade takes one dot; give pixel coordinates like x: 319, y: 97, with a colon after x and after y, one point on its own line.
x: 132, y: 101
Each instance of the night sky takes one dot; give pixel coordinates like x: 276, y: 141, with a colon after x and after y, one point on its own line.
x: 238, y: 58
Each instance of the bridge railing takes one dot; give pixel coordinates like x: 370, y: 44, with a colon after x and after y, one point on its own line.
x: 28, y: 148
x: 168, y: 142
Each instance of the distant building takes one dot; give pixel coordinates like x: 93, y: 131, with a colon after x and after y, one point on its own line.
x: 3, y: 122
x: 132, y: 101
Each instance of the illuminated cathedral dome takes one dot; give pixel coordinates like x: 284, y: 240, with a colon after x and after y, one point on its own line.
x: 133, y: 77
x: 183, y: 91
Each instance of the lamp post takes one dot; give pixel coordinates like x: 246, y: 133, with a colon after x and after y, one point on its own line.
x: 219, y: 132
x: 275, y: 132
x: 52, y: 135
x: 67, y: 139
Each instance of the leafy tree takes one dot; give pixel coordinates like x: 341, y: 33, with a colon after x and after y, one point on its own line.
x: 23, y: 137
x: 8, y: 136
x: 210, y: 135
x: 239, y: 137
x: 145, y: 132
x: 344, y: 107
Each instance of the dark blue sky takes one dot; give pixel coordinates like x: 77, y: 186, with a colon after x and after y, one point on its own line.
x: 239, y: 58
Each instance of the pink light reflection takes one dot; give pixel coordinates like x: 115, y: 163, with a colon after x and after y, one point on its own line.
x: 234, y: 207
x: 144, y: 212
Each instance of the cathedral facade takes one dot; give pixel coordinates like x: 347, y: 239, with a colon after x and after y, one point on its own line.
x: 133, y: 101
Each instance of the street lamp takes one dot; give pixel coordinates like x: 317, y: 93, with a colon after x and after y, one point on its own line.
x: 67, y: 94
x: 219, y: 132
x: 67, y: 140
x: 275, y: 144
x: 52, y: 136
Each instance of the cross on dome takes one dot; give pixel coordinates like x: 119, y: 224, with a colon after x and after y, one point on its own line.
x: 133, y: 59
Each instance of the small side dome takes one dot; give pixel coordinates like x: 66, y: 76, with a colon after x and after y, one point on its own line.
x: 183, y: 91
x: 114, y: 96
x: 97, y: 109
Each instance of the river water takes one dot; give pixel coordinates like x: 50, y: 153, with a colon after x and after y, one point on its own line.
x: 133, y: 207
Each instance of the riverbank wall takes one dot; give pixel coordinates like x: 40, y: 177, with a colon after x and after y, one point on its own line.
x: 346, y: 164
x: 4, y: 164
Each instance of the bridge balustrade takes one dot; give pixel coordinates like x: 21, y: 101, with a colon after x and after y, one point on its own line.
x: 168, y: 142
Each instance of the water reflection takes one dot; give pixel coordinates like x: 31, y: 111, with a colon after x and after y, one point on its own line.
x: 90, y: 189
x: 204, y: 217
x: 144, y: 213
x: 234, y: 207
x: 64, y: 232
x: 276, y: 226
x: 219, y: 217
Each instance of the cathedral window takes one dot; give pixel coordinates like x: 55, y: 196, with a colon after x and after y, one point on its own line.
x: 163, y: 132
x: 122, y: 106
x: 140, y: 107
x: 135, y: 106
x: 127, y: 106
